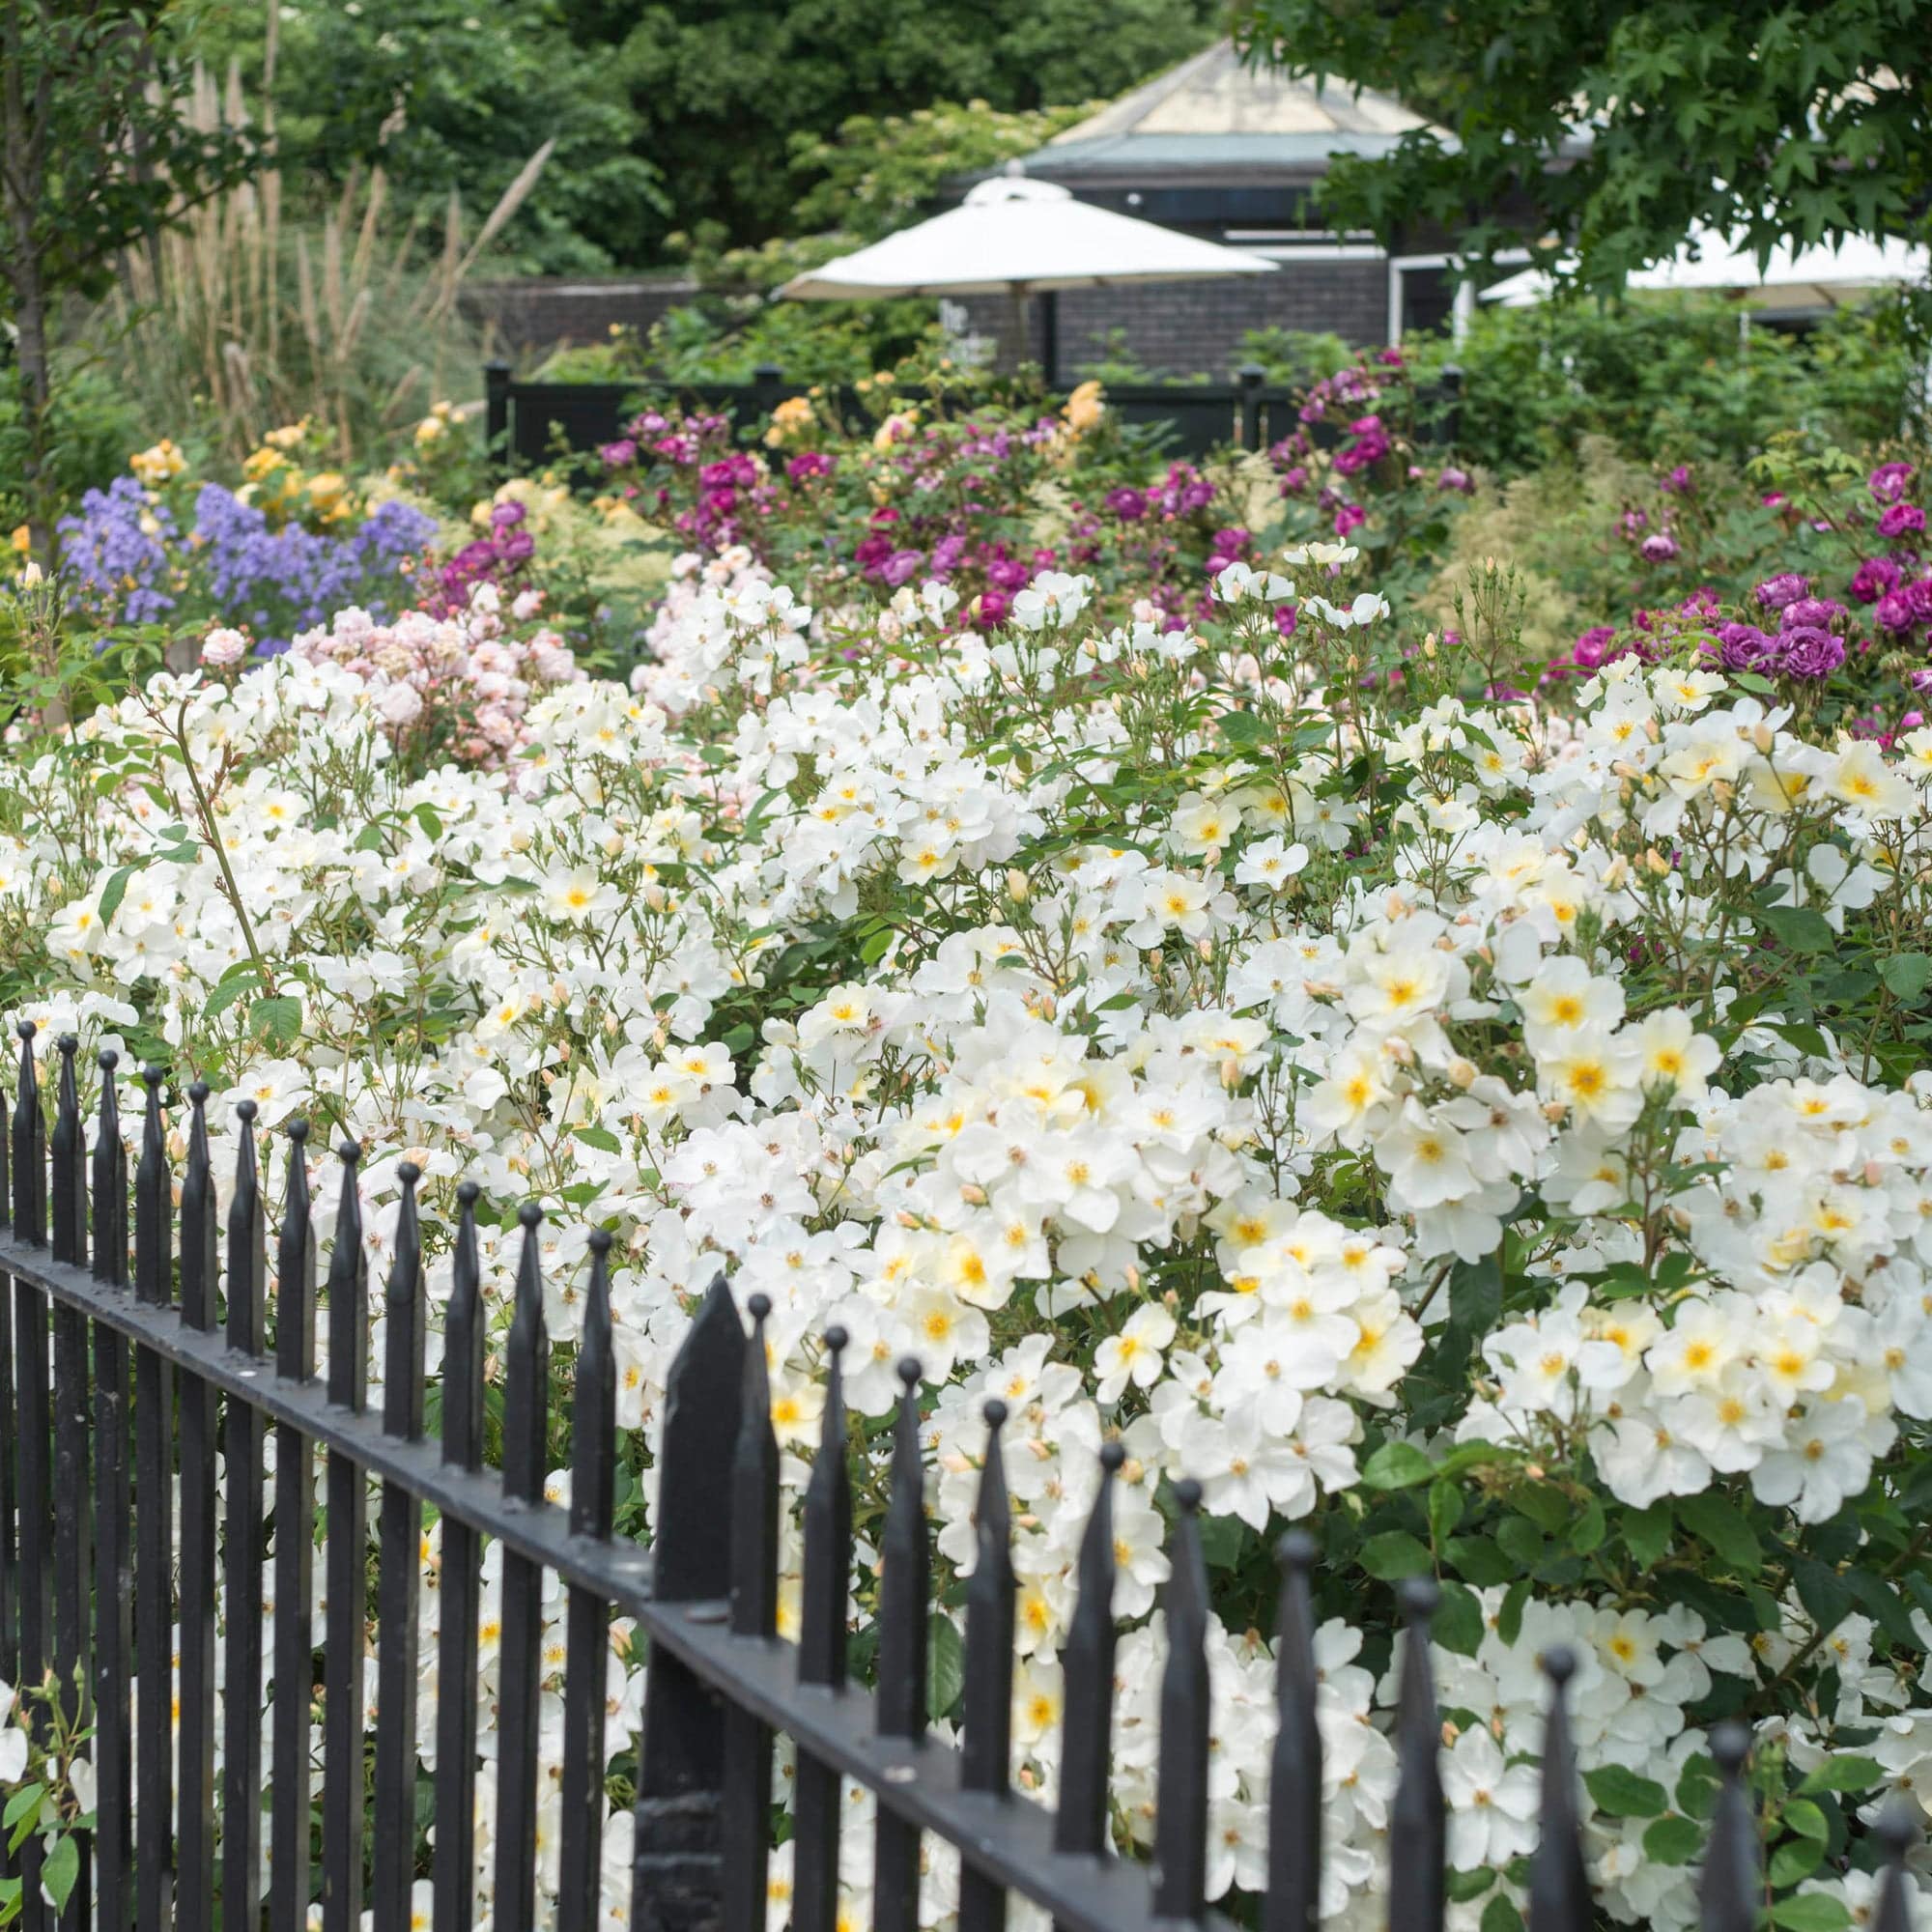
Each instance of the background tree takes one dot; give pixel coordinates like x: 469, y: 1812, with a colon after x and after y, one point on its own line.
x: 95, y: 158
x: 721, y: 88
x: 1808, y: 118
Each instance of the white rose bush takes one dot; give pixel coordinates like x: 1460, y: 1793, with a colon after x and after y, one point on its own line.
x: 1491, y: 1138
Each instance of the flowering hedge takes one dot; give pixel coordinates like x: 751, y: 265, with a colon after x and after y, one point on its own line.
x: 1495, y: 1139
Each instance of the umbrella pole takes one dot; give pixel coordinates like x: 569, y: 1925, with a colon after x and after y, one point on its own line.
x: 1049, y: 338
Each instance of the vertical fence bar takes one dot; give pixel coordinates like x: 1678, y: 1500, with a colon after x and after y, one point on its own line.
x: 35, y: 1418
x: 1897, y: 1831
x: 525, y: 1393
x: 593, y: 1465
x: 986, y: 1751
x: 153, y: 1529
x: 745, y: 1807
x: 114, y: 1560
x: 10, y: 1478
x: 1180, y: 1824
x: 821, y: 1654
x: 676, y: 1879
x: 455, y: 1878
x: 346, y: 1570
x: 68, y: 1151
x: 1295, y: 1779
x: 1727, y: 1895
x: 1417, y: 1821
x: 295, y: 1555
x: 399, y: 1534
x: 905, y: 1582
x: 1086, y: 1681
x: 242, y: 1557
x: 195, y: 1884
x: 1559, y: 1890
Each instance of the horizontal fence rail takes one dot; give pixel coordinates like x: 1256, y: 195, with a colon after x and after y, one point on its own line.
x: 136, y: 1354
x: 528, y: 422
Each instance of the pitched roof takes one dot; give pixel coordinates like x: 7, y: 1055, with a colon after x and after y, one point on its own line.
x: 1215, y: 113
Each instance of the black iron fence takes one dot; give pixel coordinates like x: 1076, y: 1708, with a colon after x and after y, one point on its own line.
x: 528, y: 422
x: 155, y: 1377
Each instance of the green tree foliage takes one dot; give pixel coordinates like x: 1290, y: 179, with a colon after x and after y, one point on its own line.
x: 1809, y: 119
x: 723, y: 87
x: 95, y: 159
x: 457, y: 95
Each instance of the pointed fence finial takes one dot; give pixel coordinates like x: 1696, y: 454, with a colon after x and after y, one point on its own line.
x: 1181, y: 1819
x: 1897, y: 1832
x: 1727, y: 1897
x: 1559, y: 1890
x: 1086, y: 1676
x: 1418, y: 1828
x: 1294, y: 1783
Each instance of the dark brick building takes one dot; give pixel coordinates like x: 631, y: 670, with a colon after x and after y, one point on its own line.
x: 1233, y: 154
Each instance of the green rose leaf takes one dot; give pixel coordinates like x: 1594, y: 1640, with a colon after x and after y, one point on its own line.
x: 1623, y: 1794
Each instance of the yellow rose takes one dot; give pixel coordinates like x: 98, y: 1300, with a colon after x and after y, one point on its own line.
x: 429, y: 429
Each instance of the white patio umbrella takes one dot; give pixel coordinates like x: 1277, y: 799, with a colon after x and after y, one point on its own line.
x: 1022, y: 237
x: 1815, y: 277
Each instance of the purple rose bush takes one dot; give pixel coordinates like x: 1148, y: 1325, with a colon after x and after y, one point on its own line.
x: 979, y: 500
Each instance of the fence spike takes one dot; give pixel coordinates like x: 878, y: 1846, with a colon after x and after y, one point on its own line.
x: 1897, y: 1830
x: 821, y: 1651
x: 989, y: 1695
x: 1727, y: 1894
x: 29, y: 1147
x: 198, y: 1262
x: 745, y: 1791
x: 454, y: 1876
x: 525, y: 1400
x: 154, y: 1520
x: 899, y: 1710
x: 1559, y: 1890
x: 592, y: 1470
x: 1180, y: 1824
x: 681, y: 1752
x: 241, y: 1555
x: 295, y: 1266
x: 294, y: 1553
x: 986, y: 1747
x: 68, y: 1152
x: 403, y: 1318
x: 1418, y: 1828
x: 195, y: 1888
x: 110, y: 1180
x: 399, y: 1585
x: 154, y: 1199
x: 1086, y: 1680
x: 754, y: 1492
x: 113, y: 1510
x: 828, y: 1536
x: 1295, y: 1779
x: 463, y: 1339
x: 347, y: 1566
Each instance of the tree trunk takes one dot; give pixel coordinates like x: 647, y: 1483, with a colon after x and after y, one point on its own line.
x: 30, y: 318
